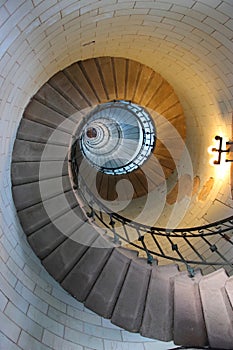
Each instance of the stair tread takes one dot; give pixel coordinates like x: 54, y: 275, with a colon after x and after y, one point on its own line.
x: 81, y: 278
x: 36, y: 152
x: 25, y: 172
x: 27, y: 195
x: 158, y: 315
x: 104, y: 293
x: 189, y: 324
x: 49, y: 95
x: 41, y: 133
x: 41, y: 113
x: 129, y: 308
x: 39, y: 215
x: 217, y: 309
x: 152, y: 89
x: 143, y: 82
x: 78, y: 78
x: 229, y: 289
x: 61, y: 261
x: 119, y: 65
x: 92, y: 72
x: 62, y: 84
x: 105, y: 64
x: 46, y: 239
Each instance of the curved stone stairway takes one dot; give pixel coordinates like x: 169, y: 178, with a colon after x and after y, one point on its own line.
x: 158, y: 301
x: 93, y: 81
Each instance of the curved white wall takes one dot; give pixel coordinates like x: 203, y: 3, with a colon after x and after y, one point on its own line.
x: 190, y: 43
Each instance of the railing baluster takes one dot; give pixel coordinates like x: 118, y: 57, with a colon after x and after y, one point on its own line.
x: 157, y: 243
x: 214, y: 249
x: 149, y: 256
x: 175, y: 248
x: 125, y: 231
x: 112, y: 224
x: 193, y: 248
x: 100, y: 212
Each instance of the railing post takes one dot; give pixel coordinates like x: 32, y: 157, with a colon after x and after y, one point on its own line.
x: 112, y: 224
x: 91, y: 214
x: 191, y: 271
x: 149, y: 256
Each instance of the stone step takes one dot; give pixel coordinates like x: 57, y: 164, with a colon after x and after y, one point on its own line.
x: 91, y: 70
x: 29, y: 194
x: 76, y: 75
x: 63, y: 259
x: 189, y: 324
x: 119, y: 65
x: 217, y: 310
x: 148, y: 96
x: 40, y: 113
x: 104, y: 294
x: 46, y: 239
x: 131, y: 254
x: 229, y: 289
x: 65, y: 87
x: 54, y: 99
x: 27, y: 151
x: 129, y: 308
x: 162, y: 93
x: 143, y: 82
x: 158, y: 314
x: 82, y: 277
x: 25, y: 172
x: 167, y: 104
x: 106, y: 67
x: 41, y: 214
x: 164, y: 156
x: 152, y: 169
x: 36, y: 132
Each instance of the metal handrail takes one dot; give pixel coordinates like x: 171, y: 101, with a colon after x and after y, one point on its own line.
x: 160, y: 236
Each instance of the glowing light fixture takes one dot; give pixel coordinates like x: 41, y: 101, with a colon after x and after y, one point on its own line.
x: 219, y: 151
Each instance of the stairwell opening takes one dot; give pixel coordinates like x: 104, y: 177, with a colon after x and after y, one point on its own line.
x: 117, y: 137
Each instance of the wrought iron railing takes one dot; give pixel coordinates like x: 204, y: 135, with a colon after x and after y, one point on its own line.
x: 207, y: 245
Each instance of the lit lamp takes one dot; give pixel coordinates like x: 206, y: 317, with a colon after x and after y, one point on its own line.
x: 219, y: 150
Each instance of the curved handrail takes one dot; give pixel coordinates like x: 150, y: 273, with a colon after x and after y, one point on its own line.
x: 108, y: 219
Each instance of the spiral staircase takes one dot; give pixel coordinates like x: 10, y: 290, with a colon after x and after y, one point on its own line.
x: 158, y: 301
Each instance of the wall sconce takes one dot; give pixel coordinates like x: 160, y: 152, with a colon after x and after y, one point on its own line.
x: 219, y: 150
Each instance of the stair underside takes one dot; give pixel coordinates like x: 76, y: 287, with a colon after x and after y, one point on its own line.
x: 159, y: 301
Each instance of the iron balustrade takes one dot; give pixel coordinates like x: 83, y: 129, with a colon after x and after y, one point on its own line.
x: 201, y: 242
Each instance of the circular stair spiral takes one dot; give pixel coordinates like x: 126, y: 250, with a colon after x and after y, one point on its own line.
x: 159, y: 302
